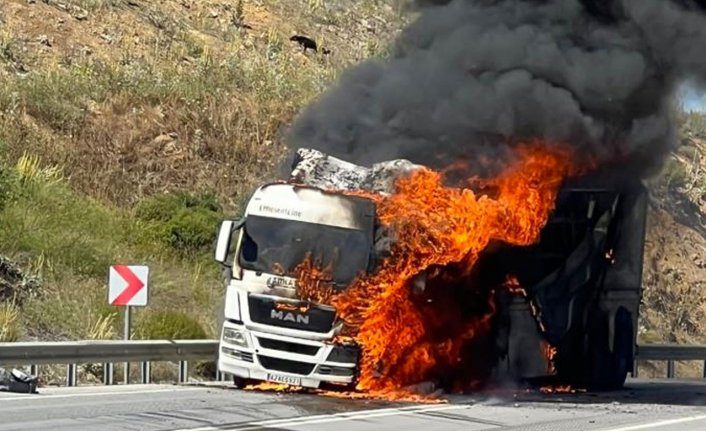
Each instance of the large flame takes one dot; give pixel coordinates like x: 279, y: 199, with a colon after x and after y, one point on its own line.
x: 411, y: 325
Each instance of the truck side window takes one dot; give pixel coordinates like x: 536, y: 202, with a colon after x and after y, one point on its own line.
x: 249, y: 252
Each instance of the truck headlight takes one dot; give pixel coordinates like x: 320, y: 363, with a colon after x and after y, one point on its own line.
x: 233, y: 336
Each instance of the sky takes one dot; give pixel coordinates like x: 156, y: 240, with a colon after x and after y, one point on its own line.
x: 694, y: 99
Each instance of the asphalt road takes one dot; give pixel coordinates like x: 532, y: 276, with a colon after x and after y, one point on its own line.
x: 644, y: 405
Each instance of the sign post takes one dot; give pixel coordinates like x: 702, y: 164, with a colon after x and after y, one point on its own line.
x: 128, y: 287
x: 126, y: 333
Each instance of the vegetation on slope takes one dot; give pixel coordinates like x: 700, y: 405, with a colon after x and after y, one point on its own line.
x: 674, y: 299
x: 127, y: 130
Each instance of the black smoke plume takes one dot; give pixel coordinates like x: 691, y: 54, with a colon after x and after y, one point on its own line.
x: 469, y: 77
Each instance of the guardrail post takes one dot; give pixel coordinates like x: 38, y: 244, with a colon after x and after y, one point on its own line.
x: 71, y: 375
x: 704, y: 369
x: 670, y: 369
x: 635, y: 369
x: 183, y: 371
x: 34, y: 370
x: 108, y: 373
x: 146, y: 372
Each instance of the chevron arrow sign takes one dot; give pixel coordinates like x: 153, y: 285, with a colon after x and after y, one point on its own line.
x: 128, y: 284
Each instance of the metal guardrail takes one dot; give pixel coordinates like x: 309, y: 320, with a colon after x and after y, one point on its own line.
x: 182, y: 351
x: 671, y: 353
x: 108, y: 353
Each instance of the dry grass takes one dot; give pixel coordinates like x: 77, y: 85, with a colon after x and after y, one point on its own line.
x: 9, y: 322
x: 133, y: 101
x: 694, y: 125
x: 674, y: 297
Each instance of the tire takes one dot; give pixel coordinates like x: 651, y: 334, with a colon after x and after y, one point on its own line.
x: 242, y: 382
x: 623, y: 349
x: 348, y: 387
x: 609, y: 369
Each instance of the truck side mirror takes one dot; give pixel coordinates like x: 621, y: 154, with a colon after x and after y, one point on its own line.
x: 224, y: 235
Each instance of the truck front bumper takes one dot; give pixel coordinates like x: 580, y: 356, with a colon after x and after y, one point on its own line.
x: 283, y: 359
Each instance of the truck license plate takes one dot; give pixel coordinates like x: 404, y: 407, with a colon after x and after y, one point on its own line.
x: 278, y: 378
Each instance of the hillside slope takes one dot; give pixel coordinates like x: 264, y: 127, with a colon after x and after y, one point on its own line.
x: 674, y: 275
x: 106, y: 105
x: 137, y: 97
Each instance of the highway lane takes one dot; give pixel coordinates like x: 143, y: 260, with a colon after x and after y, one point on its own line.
x: 643, y: 405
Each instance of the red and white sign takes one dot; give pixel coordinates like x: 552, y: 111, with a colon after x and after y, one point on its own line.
x: 127, y: 285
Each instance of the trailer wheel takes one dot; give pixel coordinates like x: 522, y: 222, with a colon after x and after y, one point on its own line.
x: 623, y: 348
x: 609, y: 369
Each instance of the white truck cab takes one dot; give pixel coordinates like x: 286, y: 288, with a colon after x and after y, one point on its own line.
x: 267, y: 333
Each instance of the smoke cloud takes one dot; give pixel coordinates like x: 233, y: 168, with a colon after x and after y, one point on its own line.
x: 469, y: 77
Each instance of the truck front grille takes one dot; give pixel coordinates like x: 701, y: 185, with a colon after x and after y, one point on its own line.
x: 268, y: 311
x: 277, y: 364
x: 285, y: 346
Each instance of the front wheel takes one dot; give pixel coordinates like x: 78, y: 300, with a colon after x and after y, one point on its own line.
x: 242, y: 382
x: 338, y: 387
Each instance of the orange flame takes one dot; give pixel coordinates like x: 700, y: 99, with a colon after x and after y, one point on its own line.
x: 512, y: 284
x: 313, y: 283
x: 404, y: 396
x: 409, y: 336
x: 549, y: 353
x: 565, y: 389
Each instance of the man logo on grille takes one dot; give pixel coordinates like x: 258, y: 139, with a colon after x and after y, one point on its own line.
x: 289, y: 317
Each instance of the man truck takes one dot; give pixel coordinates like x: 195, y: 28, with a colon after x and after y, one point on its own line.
x: 582, y: 279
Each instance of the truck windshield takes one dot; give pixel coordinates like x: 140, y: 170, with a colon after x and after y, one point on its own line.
x: 269, y: 243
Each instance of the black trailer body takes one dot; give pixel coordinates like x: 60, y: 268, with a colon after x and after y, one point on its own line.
x: 583, y: 283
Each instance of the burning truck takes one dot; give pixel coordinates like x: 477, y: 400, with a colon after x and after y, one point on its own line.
x: 382, y: 278
x: 515, y: 252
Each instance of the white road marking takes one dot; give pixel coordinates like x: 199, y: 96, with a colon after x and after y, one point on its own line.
x: 334, y: 417
x: 37, y: 397
x: 660, y: 423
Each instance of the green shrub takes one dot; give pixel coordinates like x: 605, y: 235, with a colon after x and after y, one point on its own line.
x: 163, y: 207
x: 159, y: 208
x: 192, y: 229
x: 169, y: 325
x: 182, y: 221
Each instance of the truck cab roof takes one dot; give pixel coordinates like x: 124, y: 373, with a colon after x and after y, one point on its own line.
x: 313, y: 205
